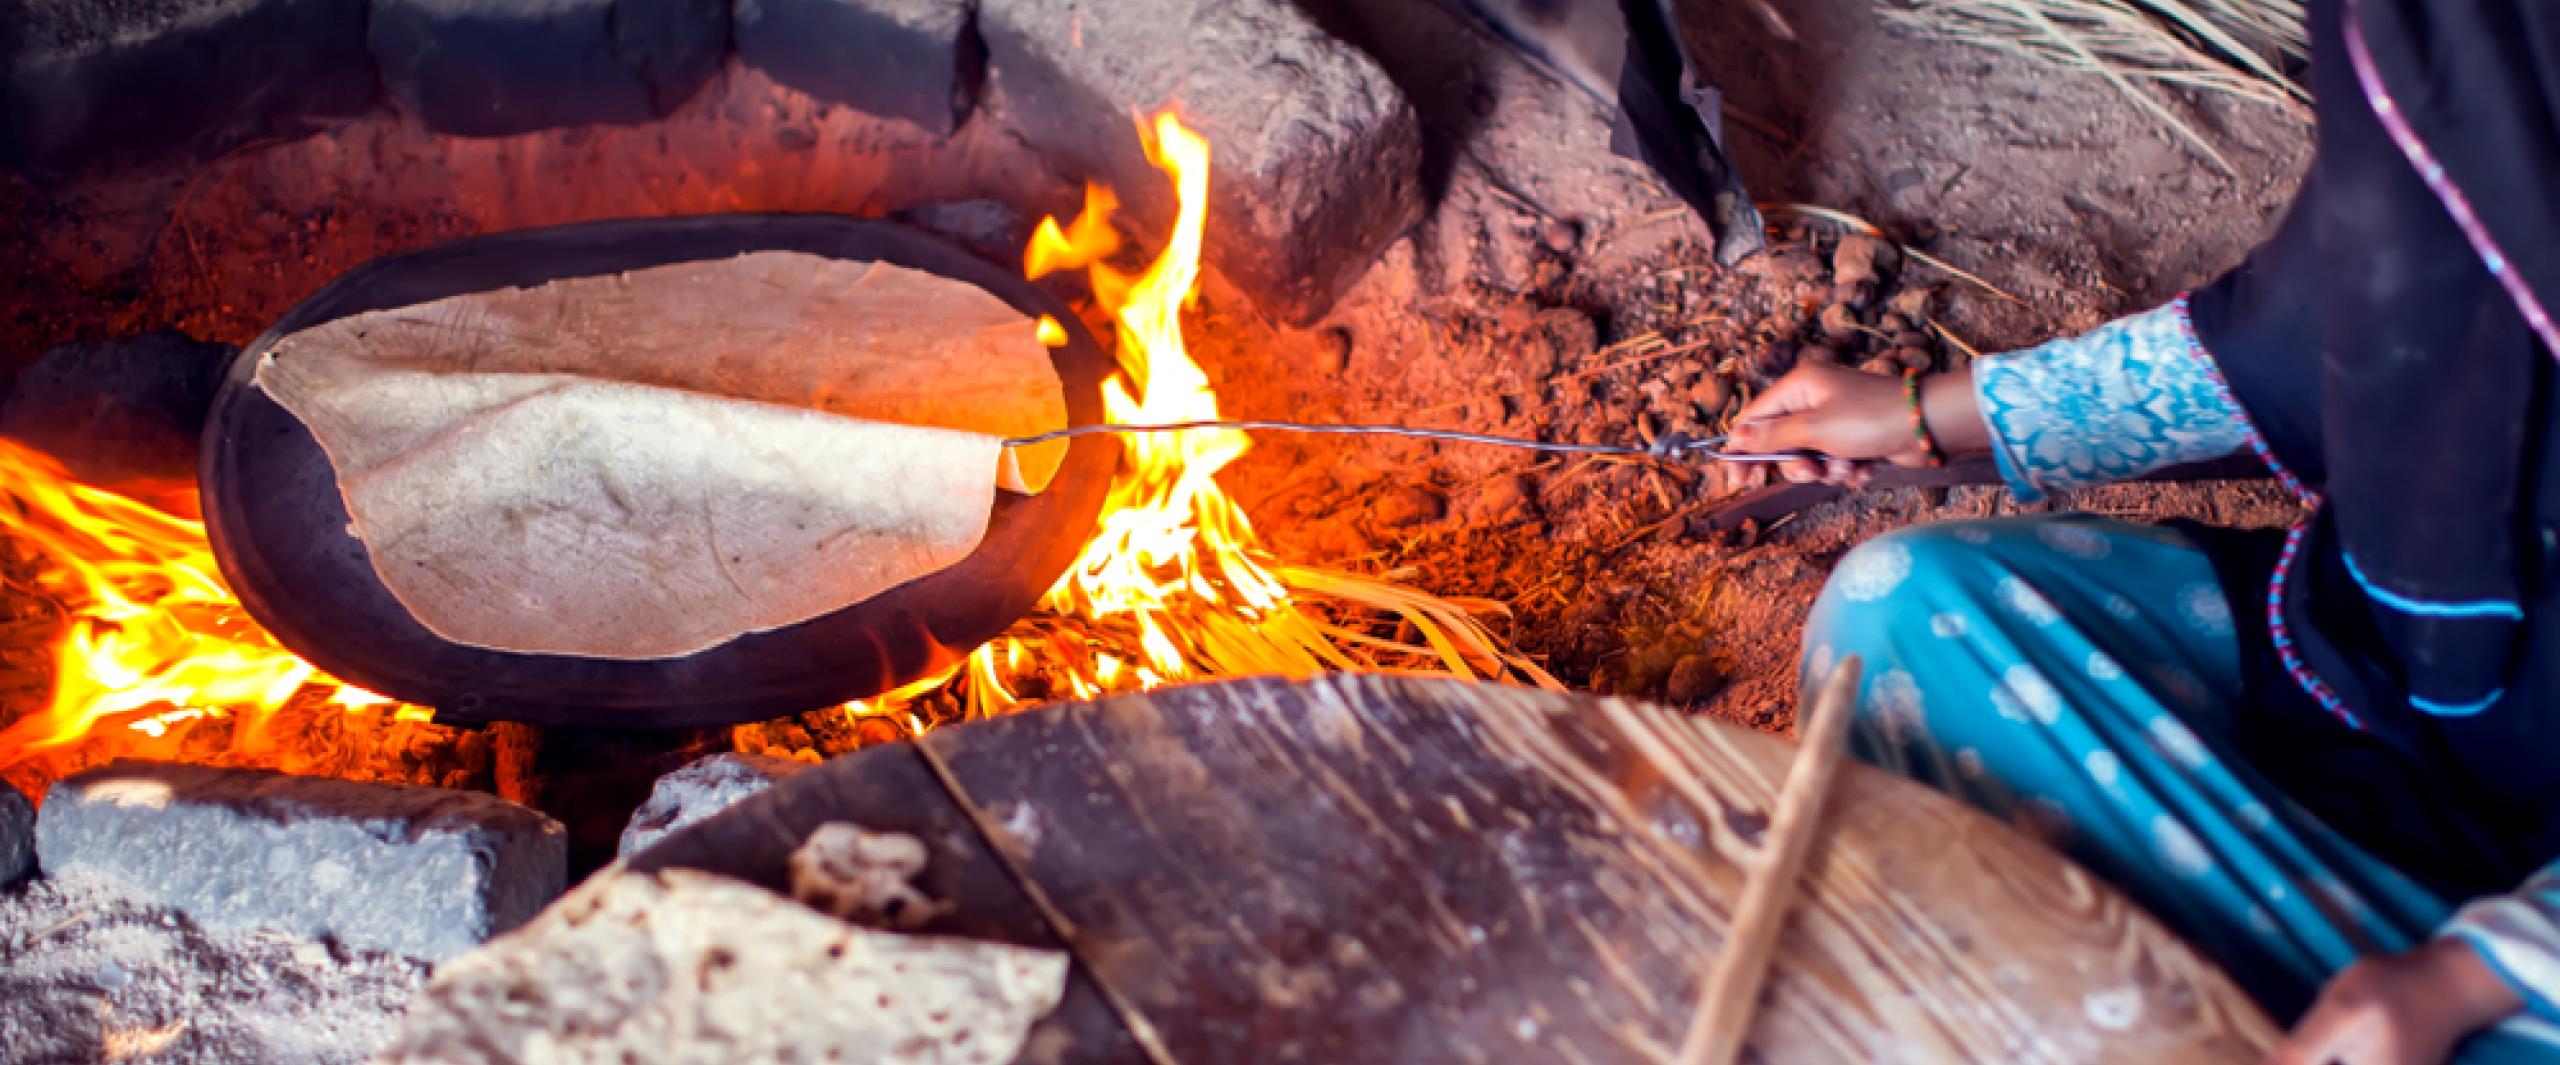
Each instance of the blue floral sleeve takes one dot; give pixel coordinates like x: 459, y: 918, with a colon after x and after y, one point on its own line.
x: 2119, y: 401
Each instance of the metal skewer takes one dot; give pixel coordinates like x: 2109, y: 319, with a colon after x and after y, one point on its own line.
x: 1667, y: 446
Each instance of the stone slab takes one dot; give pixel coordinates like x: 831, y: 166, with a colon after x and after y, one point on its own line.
x: 115, y: 410
x: 480, y: 69
x: 702, y: 788
x: 423, y: 872
x: 17, y: 835
x: 1316, y: 154
x: 919, y: 60
x: 85, y: 80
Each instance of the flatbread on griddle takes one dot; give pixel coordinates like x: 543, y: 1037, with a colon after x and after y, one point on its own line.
x: 865, y: 340
x: 620, y: 521
x: 604, y: 467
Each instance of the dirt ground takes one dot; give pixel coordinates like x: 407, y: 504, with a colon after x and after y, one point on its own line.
x: 1548, y: 256
x: 1554, y: 292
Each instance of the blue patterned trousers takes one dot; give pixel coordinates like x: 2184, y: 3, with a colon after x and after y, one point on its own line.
x: 2077, y: 677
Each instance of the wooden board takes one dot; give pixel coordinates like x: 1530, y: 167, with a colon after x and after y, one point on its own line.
x: 1369, y: 869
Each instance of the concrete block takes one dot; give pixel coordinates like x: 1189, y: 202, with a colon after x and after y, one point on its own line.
x: 424, y: 872
x: 481, y: 69
x: 82, y: 80
x: 1316, y: 154
x: 699, y: 790
x: 17, y: 835
x: 919, y: 60
x: 114, y: 410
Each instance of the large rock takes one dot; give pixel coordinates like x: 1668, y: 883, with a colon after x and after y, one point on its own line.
x: 699, y: 790
x: 424, y: 872
x: 115, y: 410
x: 1315, y: 153
x: 86, y: 79
x: 482, y: 69
x: 919, y: 60
x: 17, y: 835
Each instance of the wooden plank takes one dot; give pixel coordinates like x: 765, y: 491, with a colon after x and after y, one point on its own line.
x: 889, y: 788
x: 1372, y: 869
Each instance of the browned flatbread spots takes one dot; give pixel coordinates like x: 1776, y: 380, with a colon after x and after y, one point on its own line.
x: 651, y: 464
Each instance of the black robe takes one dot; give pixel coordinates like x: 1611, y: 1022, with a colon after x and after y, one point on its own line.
x: 2392, y: 346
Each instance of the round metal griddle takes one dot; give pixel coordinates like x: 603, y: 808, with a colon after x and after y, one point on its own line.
x: 280, y: 528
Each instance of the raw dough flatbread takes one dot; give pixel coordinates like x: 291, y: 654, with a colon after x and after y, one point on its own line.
x: 634, y: 477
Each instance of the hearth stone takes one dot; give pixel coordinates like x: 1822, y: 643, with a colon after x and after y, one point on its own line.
x: 113, y: 410
x: 17, y: 835
x: 423, y: 872
x: 91, y: 975
x: 480, y: 69
x: 699, y: 790
x: 1317, y: 154
x: 919, y: 60
x: 81, y: 80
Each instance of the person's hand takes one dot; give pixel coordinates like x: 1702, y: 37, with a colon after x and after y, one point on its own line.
x: 1856, y: 419
x: 2404, y: 1009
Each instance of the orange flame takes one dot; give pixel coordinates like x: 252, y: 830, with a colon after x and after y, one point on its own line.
x: 1176, y: 575
x: 152, y: 626
x: 1174, y: 584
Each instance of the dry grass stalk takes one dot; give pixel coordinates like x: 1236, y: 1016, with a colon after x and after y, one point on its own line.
x: 2238, y: 47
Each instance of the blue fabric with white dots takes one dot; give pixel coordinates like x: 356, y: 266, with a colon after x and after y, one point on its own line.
x: 2076, y: 677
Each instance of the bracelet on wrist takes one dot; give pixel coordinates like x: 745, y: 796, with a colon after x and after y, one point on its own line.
x: 1920, y: 418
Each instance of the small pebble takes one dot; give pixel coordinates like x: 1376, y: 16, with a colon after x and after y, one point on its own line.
x: 1710, y: 393
x: 1562, y: 236
x: 1333, y: 350
x: 1840, y: 323
x: 1882, y: 365
x: 1406, y: 506
x: 1507, y: 500
x: 1861, y: 259
x: 1913, y: 358
x: 1911, y: 304
x: 1693, y: 679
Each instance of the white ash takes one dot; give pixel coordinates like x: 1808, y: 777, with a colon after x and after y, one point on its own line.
x: 863, y: 876
x: 688, y: 968
x: 700, y: 790
x: 88, y: 974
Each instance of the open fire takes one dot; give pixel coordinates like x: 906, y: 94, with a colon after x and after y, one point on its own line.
x: 1173, y: 586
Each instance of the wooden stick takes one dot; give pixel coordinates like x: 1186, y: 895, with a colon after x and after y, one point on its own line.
x: 1732, y: 992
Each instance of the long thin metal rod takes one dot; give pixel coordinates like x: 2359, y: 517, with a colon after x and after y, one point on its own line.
x: 1670, y: 445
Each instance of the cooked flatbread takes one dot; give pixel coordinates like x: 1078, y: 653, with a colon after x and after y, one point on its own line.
x: 688, y: 968
x: 864, y: 340
x: 658, y: 483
